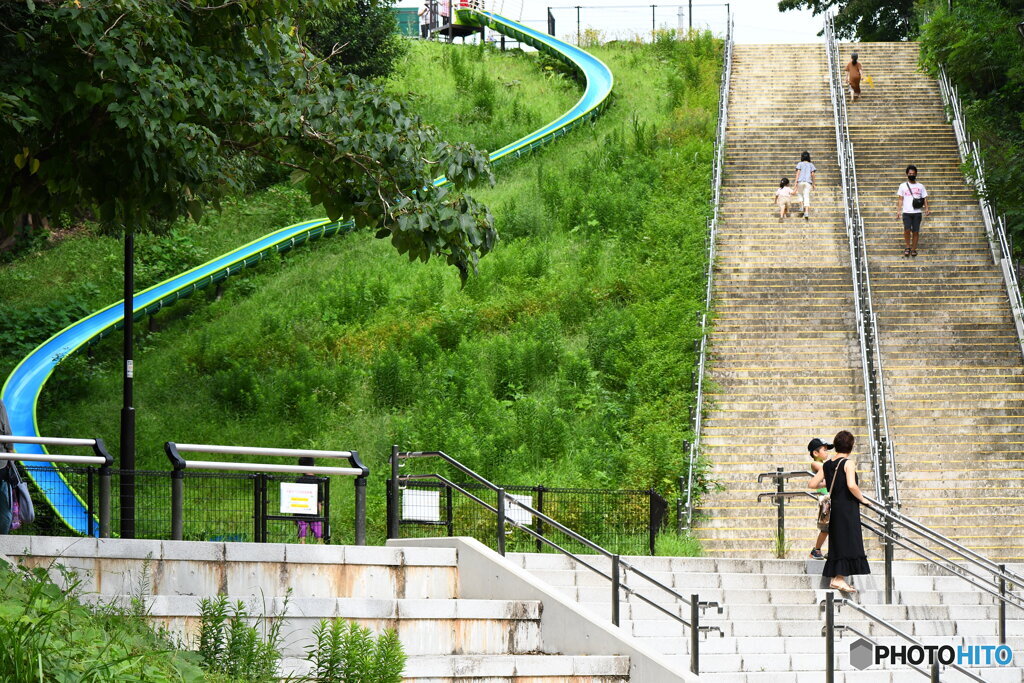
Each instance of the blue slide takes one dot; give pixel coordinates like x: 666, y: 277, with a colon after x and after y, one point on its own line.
x: 21, y: 390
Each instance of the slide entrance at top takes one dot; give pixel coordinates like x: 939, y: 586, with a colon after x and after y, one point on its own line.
x: 21, y: 391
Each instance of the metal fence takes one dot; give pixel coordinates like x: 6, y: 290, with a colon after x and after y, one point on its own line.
x: 220, y: 506
x: 625, y: 522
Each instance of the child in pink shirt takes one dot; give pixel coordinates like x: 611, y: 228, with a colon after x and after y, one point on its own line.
x: 784, y: 196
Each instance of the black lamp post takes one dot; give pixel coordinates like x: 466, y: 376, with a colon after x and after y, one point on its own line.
x: 127, y: 459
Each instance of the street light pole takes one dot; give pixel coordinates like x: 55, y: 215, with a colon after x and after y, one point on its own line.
x: 127, y: 455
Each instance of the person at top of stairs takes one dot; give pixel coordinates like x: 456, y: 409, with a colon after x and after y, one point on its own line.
x: 805, y: 181
x: 846, y: 541
x: 854, y: 72
x: 911, y: 198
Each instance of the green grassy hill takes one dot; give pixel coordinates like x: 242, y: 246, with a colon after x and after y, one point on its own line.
x: 566, y: 362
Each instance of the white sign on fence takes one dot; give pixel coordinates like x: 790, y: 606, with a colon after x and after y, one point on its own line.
x: 514, y: 513
x: 298, y: 499
x: 421, y: 506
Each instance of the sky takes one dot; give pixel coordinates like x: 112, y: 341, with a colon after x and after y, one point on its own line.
x: 756, y: 21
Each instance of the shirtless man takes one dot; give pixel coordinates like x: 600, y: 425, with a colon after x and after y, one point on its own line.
x: 854, y: 72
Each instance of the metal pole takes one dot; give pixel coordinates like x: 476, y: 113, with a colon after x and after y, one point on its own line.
x: 104, y: 502
x: 888, y: 560
x: 449, y: 508
x: 694, y: 634
x: 540, y: 524
x: 501, y: 522
x: 689, y: 13
x: 89, y: 523
x: 780, y: 487
x: 652, y: 526
x: 360, y: 510
x: 830, y: 644
x: 1002, y: 604
x: 327, y: 510
x: 615, y: 589
x: 934, y: 671
x: 393, y: 501
x: 257, y: 515
x: 177, y: 504
x: 654, y: 26
x: 127, y: 455
x: 577, y: 24
x: 551, y: 23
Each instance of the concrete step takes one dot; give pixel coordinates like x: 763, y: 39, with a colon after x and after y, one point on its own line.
x: 510, y: 668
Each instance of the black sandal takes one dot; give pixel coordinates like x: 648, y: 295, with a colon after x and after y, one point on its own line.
x: 913, y: 252
x: 906, y: 253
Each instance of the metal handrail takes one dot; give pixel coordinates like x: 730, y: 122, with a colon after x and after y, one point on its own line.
x: 881, y: 447
x: 617, y: 583
x: 831, y: 606
x: 173, y: 451
x: 716, y: 185
x: 100, y: 457
x: 995, y: 224
x: 912, y: 526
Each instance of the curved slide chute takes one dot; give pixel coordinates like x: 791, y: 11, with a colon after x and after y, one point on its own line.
x: 21, y: 391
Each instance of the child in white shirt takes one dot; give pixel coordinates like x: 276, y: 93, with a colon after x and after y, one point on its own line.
x: 784, y: 196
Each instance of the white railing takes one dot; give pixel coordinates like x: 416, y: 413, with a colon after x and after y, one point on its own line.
x: 883, y: 457
x: 178, y: 464
x: 716, y: 186
x: 995, y: 225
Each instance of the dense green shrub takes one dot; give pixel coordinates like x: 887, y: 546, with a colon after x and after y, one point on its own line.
x: 48, y: 635
x: 978, y: 44
x: 345, y: 652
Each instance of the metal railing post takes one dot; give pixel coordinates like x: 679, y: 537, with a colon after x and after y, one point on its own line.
x: 394, y: 503
x: 327, y: 509
x: 501, y: 522
x: 257, y: 515
x: 89, y: 524
x: 104, y: 502
x: 694, y: 634
x: 888, y: 548
x: 1002, y: 604
x: 540, y: 523
x: 780, y: 487
x: 830, y: 643
x: 177, y: 504
x: 934, y: 671
x: 360, y: 484
x: 615, y: 589
x: 449, y: 509
x: 651, y: 522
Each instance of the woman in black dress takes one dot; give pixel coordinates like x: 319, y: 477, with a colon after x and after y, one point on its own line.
x: 846, y: 542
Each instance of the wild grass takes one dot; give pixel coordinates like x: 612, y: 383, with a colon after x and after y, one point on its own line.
x: 566, y: 362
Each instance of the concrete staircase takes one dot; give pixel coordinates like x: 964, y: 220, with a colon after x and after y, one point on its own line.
x: 772, y: 622
x: 953, y: 370
x: 451, y: 629
x: 785, y: 363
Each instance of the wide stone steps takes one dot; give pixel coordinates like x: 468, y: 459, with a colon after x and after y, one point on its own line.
x: 950, y: 353
x: 771, y: 617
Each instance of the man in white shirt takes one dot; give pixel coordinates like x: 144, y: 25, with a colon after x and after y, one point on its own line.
x: 912, y: 198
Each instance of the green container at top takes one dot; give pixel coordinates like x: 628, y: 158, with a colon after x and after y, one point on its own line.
x: 408, y: 20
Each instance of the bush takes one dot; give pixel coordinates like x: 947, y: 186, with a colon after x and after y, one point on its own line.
x: 48, y: 635
x: 230, y: 646
x: 349, y: 653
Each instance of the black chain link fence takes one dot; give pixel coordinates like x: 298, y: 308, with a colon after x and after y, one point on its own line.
x: 625, y: 522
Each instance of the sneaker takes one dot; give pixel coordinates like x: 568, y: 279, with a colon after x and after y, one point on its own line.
x: 816, y: 554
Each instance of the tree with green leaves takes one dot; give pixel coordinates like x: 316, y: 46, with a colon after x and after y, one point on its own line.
x: 142, y: 111
x: 362, y: 38
x: 865, y: 20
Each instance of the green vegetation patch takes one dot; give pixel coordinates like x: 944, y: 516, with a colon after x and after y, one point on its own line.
x: 566, y: 362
